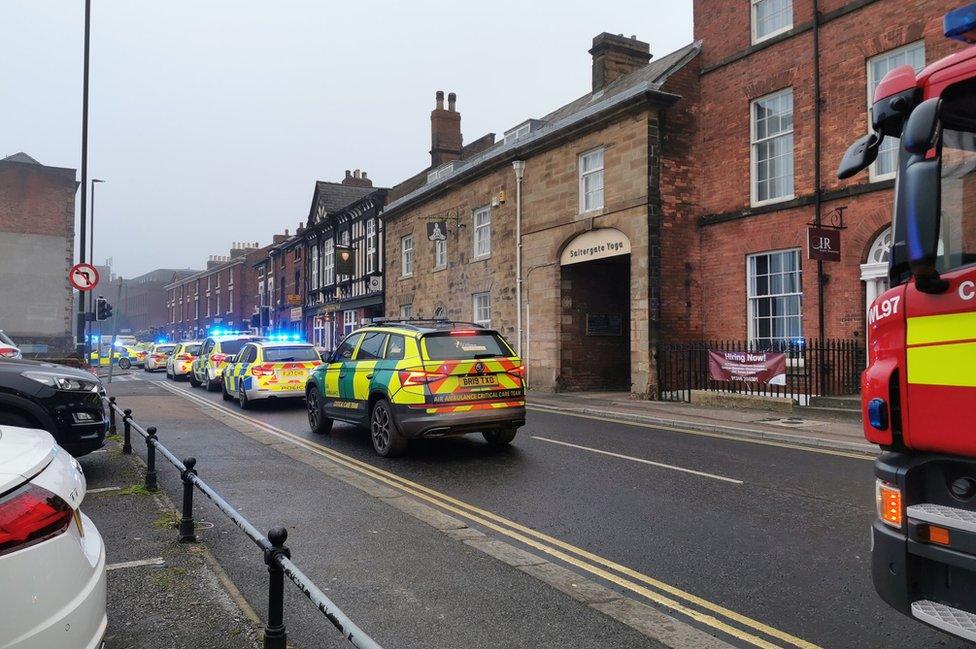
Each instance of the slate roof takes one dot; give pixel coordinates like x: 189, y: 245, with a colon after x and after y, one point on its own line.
x: 649, y: 78
x: 21, y: 157
x: 335, y: 196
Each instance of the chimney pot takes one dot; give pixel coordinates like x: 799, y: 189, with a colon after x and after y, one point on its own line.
x: 348, y: 174
x: 355, y: 174
x: 364, y: 174
x: 451, y: 101
x: 439, y: 96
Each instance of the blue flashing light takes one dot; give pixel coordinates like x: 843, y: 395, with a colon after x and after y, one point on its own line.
x: 960, y: 24
x: 878, y: 414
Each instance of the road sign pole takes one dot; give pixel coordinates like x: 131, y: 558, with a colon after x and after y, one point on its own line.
x: 82, y: 343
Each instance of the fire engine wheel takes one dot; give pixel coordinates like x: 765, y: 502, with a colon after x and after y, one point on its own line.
x: 387, y: 439
x: 500, y: 437
x: 242, y: 399
x: 317, y: 420
x: 124, y: 363
x: 224, y: 393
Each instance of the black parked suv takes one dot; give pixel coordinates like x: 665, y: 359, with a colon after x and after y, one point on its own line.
x: 66, y: 402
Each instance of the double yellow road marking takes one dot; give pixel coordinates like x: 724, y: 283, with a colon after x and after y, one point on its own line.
x: 703, y: 611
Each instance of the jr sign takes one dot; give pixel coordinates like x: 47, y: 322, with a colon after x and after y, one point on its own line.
x: 823, y: 244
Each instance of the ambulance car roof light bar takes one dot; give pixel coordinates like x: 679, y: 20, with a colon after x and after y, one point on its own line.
x: 960, y: 24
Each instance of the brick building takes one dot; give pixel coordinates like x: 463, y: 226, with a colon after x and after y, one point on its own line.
x: 757, y: 155
x: 607, y: 229
x: 37, y: 230
x: 144, y: 301
x: 343, y: 218
x: 222, y: 295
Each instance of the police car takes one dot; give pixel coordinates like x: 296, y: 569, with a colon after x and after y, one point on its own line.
x: 124, y: 356
x: 269, y: 370
x: 420, y: 378
x: 180, y: 362
x: 216, y: 351
x: 157, y: 356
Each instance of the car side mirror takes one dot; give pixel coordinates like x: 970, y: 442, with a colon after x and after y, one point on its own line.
x: 922, y: 128
x: 860, y: 155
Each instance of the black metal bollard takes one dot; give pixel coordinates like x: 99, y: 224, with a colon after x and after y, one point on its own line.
x: 275, y: 636
x: 186, y: 522
x: 127, y: 431
x: 151, y: 459
x: 111, y: 416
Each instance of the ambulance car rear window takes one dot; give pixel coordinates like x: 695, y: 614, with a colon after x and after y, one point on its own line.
x: 452, y: 346
x: 290, y: 354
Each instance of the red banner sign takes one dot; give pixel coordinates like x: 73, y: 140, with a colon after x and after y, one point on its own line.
x: 748, y: 367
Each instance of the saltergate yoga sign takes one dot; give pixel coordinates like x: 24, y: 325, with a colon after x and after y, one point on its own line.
x: 595, y: 244
x: 767, y: 368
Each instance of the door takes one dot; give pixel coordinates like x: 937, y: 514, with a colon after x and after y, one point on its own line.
x: 235, y: 372
x: 368, y: 356
x: 339, y: 402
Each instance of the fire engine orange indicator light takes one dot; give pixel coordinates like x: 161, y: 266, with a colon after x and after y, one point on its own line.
x: 934, y: 534
x: 888, y: 499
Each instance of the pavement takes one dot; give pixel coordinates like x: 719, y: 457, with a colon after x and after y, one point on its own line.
x: 161, y: 594
x: 591, y: 530
x: 805, y: 428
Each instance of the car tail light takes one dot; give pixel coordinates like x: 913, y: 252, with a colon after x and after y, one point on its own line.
x: 262, y: 370
x: 184, y: 357
x: 419, y: 376
x: 8, y: 352
x: 219, y: 358
x: 29, y: 515
x: 518, y: 372
x: 888, y: 500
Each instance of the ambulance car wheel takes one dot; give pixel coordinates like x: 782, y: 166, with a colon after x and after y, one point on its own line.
x: 388, y: 441
x: 500, y: 437
x: 193, y: 379
x: 317, y: 421
x: 242, y: 398
x: 224, y: 393
x: 124, y: 363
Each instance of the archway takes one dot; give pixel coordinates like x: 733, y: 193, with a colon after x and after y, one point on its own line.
x: 874, y: 271
x: 595, y: 292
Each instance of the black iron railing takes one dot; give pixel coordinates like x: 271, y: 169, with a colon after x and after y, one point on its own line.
x: 276, y: 555
x: 814, y: 367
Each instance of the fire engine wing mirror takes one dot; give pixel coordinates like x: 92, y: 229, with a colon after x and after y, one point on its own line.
x: 921, y: 129
x: 920, y: 189
x: 860, y: 155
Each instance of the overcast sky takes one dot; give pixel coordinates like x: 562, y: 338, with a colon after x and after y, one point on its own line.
x: 211, y: 120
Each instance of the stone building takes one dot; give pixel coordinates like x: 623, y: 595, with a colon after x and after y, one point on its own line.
x: 606, y: 244
x: 766, y: 171
x: 37, y: 234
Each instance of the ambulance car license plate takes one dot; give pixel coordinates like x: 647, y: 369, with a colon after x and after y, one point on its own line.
x: 478, y: 381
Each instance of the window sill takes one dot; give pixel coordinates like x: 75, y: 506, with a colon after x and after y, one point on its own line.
x: 763, y: 39
x: 481, y: 258
x: 410, y: 276
x: 772, y: 201
x: 589, y: 214
x: 438, y: 269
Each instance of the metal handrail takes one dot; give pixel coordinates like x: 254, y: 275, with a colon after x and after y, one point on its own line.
x: 276, y: 555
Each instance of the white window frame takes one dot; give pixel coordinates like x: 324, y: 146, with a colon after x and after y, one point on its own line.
x: 756, y: 38
x: 440, y: 254
x: 481, y: 232
x: 483, y: 309
x: 313, y: 261
x: 348, y: 322
x: 406, y: 311
x: 370, y: 246
x: 406, y: 255
x: 583, y: 175
x: 196, y: 307
x: 873, y: 174
x: 217, y: 304
x: 230, y: 299
x: 754, y: 145
x: 328, y: 262
x: 752, y: 299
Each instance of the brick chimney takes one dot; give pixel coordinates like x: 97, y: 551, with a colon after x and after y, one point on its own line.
x: 445, y: 131
x: 357, y: 179
x: 615, y: 56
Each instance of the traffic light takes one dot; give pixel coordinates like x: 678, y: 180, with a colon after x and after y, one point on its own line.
x: 103, y: 310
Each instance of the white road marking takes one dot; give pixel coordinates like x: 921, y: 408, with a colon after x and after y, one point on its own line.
x: 100, y: 490
x: 638, y: 459
x: 156, y: 561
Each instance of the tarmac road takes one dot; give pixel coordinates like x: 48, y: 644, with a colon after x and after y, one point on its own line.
x: 768, y: 540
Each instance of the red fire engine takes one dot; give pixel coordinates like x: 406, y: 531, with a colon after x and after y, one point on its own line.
x: 918, y: 394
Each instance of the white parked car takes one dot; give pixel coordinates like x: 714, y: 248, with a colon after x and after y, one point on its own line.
x: 52, y: 558
x: 8, y: 349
